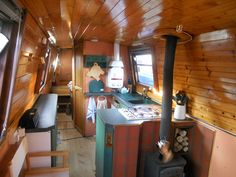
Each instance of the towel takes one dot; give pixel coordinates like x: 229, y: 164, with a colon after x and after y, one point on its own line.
x: 70, y: 85
x: 101, y: 102
x: 91, y: 109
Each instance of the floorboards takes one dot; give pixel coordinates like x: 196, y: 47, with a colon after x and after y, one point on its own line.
x: 81, y: 150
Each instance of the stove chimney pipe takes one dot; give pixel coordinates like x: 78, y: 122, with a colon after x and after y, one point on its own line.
x: 164, y: 144
x: 166, y: 115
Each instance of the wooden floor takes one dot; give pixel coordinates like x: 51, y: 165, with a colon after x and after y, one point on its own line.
x: 81, y: 150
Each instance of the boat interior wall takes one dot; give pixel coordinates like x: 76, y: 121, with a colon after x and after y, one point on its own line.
x: 200, y: 154
x: 81, y: 79
x: 204, y: 67
x: 205, y: 70
x: 30, y: 58
x: 222, y: 163
x: 63, y: 73
x: 107, y: 49
x: 7, y: 72
x: 24, y: 94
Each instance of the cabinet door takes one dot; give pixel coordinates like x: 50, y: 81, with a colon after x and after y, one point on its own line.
x: 77, y: 91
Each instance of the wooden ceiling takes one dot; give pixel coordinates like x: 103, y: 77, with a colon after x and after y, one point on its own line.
x: 128, y: 20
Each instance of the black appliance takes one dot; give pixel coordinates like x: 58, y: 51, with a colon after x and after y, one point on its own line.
x: 30, y: 119
x: 154, y: 167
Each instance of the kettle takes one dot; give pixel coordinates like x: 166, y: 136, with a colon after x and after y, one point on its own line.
x: 124, y: 90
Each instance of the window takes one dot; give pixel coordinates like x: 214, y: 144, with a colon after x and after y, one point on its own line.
x: 10, y: 29
x: 45, y: 62
x: 43, y: 69
x: 143, y: 69
x: 142, y: 62
x: 144, y: 66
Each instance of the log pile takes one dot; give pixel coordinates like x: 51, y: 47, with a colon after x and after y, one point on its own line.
x: 181, y: 140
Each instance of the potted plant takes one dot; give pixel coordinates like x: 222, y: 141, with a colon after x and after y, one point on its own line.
x: 180, y: 110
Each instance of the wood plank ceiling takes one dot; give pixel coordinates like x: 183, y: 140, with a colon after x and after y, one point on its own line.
x: 128, y: 20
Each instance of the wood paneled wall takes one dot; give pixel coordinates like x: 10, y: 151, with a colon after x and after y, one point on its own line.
x: 106, y: 48
x: 94, y: 48
x: 101, y: 48
x: 27, y: 68
x: 64, y: 69
x: 222, y: 163
x: 24, y: 92
x: 205, y: 69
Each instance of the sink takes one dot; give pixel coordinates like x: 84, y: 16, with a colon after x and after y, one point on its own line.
x: 141, y: 101
x: 136, y: 101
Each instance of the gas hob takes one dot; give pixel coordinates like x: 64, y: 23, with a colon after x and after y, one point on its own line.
x: 141, y: 112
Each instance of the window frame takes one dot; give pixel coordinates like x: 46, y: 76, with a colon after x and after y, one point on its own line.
x: 142, y: 50
x: 47, y: 58
x: 136, y: 65
x: 14, y: 31
x: 43, y: 68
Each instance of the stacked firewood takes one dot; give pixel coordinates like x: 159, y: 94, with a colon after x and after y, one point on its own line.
x: 181, y: 140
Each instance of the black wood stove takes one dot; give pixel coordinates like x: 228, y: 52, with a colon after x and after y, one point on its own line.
x: 154, y: 167
x: 171, y: 166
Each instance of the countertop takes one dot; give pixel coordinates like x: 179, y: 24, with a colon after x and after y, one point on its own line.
x: 123, y: 98
x: 114, y: 117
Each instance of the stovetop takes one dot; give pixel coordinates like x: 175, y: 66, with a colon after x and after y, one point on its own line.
x: 141, y: 112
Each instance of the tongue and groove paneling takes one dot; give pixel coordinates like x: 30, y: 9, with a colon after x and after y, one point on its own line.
x: 205, y: 69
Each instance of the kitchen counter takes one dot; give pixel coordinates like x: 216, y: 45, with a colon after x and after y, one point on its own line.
x: 114, y: 117
x: 118, y: 139
x: 127, y: 98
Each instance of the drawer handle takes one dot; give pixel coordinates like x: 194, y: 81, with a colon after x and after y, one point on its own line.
x: 108, y: 140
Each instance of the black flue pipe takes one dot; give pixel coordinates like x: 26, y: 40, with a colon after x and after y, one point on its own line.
x: 166, y: 115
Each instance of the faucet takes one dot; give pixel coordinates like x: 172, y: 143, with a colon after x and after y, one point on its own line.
x: 145, y: 91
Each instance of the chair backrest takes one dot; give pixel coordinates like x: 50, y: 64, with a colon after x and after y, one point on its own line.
x: 62, y: 171
x: 17, y: 161
x: 22, y: 155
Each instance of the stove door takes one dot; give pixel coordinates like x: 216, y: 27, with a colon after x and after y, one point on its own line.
x: 172, y: 172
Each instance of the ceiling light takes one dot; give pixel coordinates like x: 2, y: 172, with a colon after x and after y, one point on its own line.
x: 137, y: 43
x: 3, y: 41
x: 94, y: 40
x: 41, y: 20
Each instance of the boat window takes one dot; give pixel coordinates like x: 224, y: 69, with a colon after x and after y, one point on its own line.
x: 43, y: 69
x: 3, y: 39
x: 143, y: 66
x: 143, y: 69
x: 45, y: 62
x: 10, y: 40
